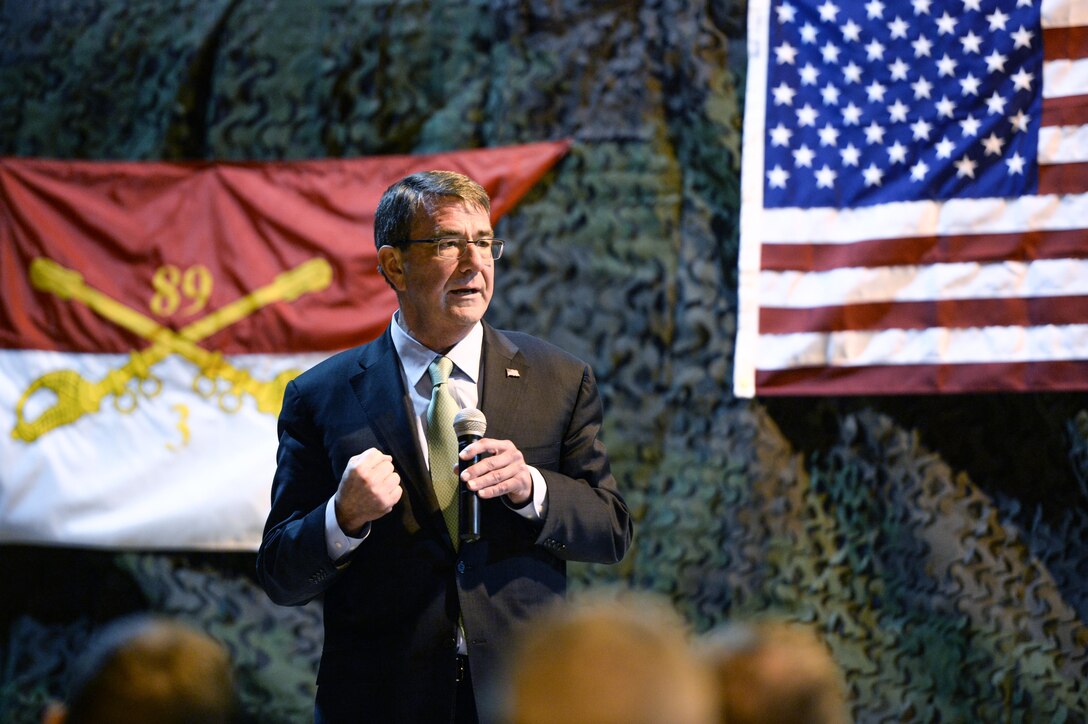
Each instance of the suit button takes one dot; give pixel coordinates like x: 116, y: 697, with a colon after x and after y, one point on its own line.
x: 460, y: 566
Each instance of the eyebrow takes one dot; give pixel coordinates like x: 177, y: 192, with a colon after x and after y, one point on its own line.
x: 447, y: 234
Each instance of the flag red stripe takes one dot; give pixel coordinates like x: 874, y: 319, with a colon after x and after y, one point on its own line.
x: 1018, y: 246
x: 947, y: 313
x: 1062, y: 376
x: 1065, y: 111
x: 1063, y: 178
x: 1065, y: 43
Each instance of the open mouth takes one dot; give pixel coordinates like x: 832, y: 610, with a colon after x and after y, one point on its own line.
x: 464, y: 292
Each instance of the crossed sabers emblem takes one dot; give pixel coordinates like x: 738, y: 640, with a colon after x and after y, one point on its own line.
x: 78, y: 396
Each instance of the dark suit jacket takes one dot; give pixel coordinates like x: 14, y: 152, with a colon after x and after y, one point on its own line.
x: 391, y: 608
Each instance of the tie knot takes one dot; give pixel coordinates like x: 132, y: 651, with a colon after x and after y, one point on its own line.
x: 439, y: 370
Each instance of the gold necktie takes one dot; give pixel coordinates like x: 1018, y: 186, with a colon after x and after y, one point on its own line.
x: 442, y: 442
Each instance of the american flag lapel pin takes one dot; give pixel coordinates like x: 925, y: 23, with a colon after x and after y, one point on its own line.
x: 512, y: 372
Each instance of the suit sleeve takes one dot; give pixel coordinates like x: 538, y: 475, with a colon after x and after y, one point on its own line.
x: 587, y: 519
x: 293, y: 564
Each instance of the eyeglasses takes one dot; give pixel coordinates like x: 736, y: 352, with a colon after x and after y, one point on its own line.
x: 451, y: 248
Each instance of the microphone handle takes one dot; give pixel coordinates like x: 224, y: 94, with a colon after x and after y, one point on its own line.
x: 468, y: 501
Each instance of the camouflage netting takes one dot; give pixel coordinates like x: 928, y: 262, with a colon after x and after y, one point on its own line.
x: 938, y: 544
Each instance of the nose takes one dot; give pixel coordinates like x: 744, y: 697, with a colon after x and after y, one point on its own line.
x: 475, y: 258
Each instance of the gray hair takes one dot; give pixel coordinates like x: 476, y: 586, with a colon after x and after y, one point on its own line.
x: 401, y: 202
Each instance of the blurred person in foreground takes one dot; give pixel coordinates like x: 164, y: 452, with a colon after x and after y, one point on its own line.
x: 144, y: 669
x: 364, y: 499
x: 599, y: 661
x: 773, y: 672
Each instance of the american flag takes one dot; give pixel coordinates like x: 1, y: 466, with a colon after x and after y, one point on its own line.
x: 914, y: 197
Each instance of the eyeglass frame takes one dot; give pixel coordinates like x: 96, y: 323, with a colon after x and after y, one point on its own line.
x: 495, y: 246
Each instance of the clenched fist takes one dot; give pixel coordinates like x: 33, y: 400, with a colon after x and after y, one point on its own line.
x: 369, y: 488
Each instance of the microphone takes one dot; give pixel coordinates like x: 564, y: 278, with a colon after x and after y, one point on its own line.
x: 469, y: 424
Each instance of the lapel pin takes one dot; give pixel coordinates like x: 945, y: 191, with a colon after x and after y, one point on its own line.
x: 512, y: 373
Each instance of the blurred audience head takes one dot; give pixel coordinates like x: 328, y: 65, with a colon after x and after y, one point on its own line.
x: 608, y: 661
x: 149, y: 669
x: 772, y: 672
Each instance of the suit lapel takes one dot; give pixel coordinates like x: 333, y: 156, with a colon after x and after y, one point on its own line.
x: 379, y: 387
x: 504, y: 373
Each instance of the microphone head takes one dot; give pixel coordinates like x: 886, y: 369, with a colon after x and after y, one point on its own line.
x: 469, y: 421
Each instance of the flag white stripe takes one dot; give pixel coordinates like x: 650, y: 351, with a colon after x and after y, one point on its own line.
x: 924, y: 218
x: 1064, y: 13
x: 909, y: 283
x: 936, y: 345
x: 1063, y: 144
x: 1062, y: 78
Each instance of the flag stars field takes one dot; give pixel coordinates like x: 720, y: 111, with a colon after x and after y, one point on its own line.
x: 896, y: 98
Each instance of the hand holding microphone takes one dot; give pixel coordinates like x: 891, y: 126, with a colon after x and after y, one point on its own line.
x: 469, y: 425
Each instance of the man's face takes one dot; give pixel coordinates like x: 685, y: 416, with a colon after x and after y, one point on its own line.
x: 440, y: 299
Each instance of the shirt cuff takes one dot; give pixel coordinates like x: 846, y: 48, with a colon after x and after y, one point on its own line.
x: 337, y: 543
x: 539, y: 500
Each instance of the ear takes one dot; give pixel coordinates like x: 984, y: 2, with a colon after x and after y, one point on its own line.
x: 392, y: 266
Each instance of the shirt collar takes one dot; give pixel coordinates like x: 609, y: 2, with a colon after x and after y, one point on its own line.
x: 416, y: 358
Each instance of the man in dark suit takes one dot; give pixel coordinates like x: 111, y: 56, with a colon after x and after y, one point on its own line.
x: 417, y: 622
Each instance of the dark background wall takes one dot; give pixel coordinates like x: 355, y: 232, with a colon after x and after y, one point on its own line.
x: 937, y: 544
